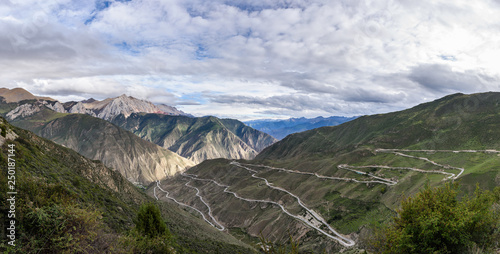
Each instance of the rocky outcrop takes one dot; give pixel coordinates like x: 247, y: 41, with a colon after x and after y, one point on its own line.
x: 54, y: 105
x: 23, y: 111
x: 122, y: 105
x: 79, y: 108
x: 171, y: 111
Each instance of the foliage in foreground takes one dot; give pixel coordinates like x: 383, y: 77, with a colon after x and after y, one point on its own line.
x: 436, y: 221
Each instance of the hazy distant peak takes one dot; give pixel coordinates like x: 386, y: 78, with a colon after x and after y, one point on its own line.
x: 89, y: 100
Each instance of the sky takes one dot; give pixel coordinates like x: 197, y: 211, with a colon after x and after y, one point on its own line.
x: 251, y: 59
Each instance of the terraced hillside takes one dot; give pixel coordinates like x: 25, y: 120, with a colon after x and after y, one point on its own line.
x: 325, y: 186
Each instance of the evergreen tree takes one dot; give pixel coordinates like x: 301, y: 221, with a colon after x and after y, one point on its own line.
x: 149, y: 221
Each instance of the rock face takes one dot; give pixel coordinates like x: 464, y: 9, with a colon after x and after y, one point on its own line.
x: 56, y: 106
x: 198, y: 139
x: 106, y: 109
x: 28, y: 109
x: 23, y: 111
x: 79, y: 108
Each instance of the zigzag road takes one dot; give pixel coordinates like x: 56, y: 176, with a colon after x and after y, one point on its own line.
x: 318, y: 221
x: 182, y: 204
x: 336, y: 236
x: 221, y: 228
x: 343, y: 166
x: 452, y: 176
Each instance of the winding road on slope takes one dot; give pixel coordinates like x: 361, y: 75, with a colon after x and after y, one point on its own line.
x: 452, y: 176
x: 336, y: 236
x: 185, y: 205
x: 343, y: 166
x: 315, y: 221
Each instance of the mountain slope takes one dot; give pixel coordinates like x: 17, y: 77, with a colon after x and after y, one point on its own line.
x: 458, y: 121
x: 96, y: 205
x: 282, y: 128
x: 350, y: 176
x: 197, y: 139
x: 19, y: 94
x: 138, y: 160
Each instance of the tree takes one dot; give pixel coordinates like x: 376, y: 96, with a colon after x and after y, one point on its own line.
x: 436, y: 221
x: 149, y: 221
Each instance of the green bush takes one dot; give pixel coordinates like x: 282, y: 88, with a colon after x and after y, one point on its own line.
x: 150, y: 234
x: 435, y: 221
x: 149, y: 221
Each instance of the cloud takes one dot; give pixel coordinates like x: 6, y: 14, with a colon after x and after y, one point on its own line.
x: 441, y: 78
x: 252, y: 58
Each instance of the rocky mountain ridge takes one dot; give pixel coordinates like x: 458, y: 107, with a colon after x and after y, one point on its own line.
x: 198, y: 139
x: 106, y: 109
x: 138, y: 160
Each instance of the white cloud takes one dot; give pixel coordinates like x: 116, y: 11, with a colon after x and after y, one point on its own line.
x: 287, y: 57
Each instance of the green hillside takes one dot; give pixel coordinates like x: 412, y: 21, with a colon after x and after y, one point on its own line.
x: 454, y: 122
x: 354, y: 176
x: 70, y: 204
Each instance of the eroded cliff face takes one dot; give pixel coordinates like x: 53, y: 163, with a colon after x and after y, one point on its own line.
x: 215, y: 144
x: 23, y: 111
x: 138, y: 160
x: 198, y: 139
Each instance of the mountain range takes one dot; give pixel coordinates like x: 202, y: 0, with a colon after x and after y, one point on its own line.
x: 325, y: 188
x: 87, y: 127
x: 282, y: 128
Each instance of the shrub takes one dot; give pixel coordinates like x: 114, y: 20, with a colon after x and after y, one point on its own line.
x: 151, y: 234
x: 149, y: 221
x: 435, y: 221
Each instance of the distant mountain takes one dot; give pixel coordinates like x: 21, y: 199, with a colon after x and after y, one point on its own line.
x: 19, y: 94
x: 122, y: 105
x: 282, y: 128
x: 106, y: 109
x: 71, y: 204
x: 456, y: 121
x: 138, y: 160
x: 197, y: 139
